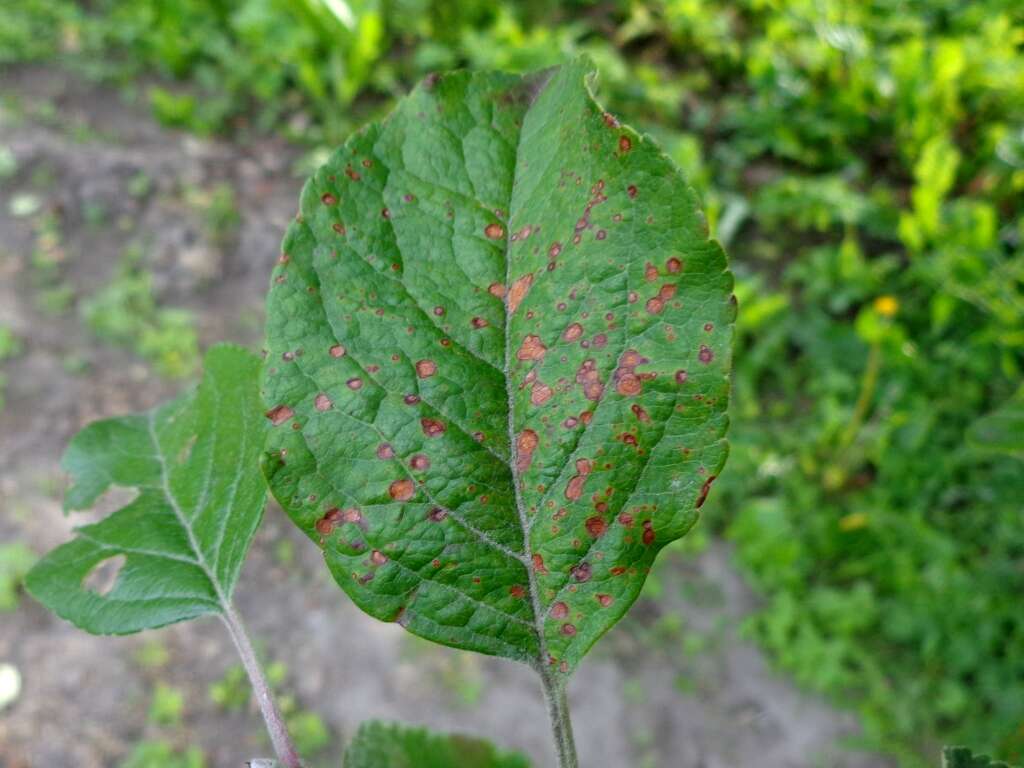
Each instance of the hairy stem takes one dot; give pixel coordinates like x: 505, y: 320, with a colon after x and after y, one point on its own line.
x: 561, y: 722
x: 279, y: 735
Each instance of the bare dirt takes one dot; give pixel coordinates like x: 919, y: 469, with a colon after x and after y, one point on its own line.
x: 659, y: 690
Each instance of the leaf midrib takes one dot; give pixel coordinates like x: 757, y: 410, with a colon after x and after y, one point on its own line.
x: 161, y: 457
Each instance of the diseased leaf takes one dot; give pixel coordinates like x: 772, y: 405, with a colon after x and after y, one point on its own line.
x: 392, y: 745
x: 498, y: 347
x: 962, y: 757
x: 174, y: 551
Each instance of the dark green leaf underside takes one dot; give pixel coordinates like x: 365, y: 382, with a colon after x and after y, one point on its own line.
x: 498, y: 243
x: 181, y: 541
x: 391, y: 745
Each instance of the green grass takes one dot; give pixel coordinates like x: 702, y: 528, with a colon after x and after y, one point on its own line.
x: 863, y: 163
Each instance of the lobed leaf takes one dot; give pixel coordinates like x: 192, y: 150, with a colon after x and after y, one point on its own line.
x: 392, y: 745
x: 498, y: 347
x: 180, y: 542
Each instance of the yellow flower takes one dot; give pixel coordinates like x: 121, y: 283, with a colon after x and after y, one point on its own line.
x: 886, y: 306
x: 853, y: 521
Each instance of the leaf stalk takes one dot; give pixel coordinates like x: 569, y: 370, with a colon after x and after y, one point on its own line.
x: 561, y: 722
x: 279, y: 736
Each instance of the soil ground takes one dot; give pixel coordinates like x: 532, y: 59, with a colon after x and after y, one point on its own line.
x: 673, y: 686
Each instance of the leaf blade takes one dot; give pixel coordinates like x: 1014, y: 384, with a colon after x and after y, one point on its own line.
x: 439, y: 374
x: 168, y: 537
x: 393, y: 745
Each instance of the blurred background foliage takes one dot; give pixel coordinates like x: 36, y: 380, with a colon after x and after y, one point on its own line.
x: 863, y: 162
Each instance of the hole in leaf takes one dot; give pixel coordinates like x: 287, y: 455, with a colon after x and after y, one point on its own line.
x: 102, y: 577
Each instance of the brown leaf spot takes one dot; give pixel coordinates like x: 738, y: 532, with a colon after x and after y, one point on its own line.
x: 590, y: 379
x: 426, y: 368
x: 532, y: 348
x: 681, y: 376
x: 573, y: 332
x: 625, y: 144
x: 432, y: 427
x: 706, y: 355
x: 703, y: 496
x: 605, y: 600
x: 626, y: 519
x: 518, y: 291
x: 337, y: 351
x: 654, y: 306
x: 559, y: 610
x: 354, y: 383
x: 538, y: 565
x: 596, y: 526
x: 574, y: 488
x: 554, y: 250
x: 517, y: 591
x: 402, y: 490
x: 378, y: 558
x: 438, y: 311
x: 352, y: 515
x: 322, y: 402
x: 411, y: 399
x: 497, y: 290
x: 479, y: 322
x: 618, y: 570
x: 494, y: 230
x: 581, y: 572
x: 279, y: 414
x: 436, y: 515
x: 627, y: 382
x: 328, y: 199
x: 650, y: 272
x: 640, y: 413
x: 540, y: 393
x: 339, y: 228
x: 631, y: 190
x: 648, y: 536
x: 666, y: 292
x: 526, y: 444
x: 673, y: 265
x: 568, y: 629
x: 419, y: 462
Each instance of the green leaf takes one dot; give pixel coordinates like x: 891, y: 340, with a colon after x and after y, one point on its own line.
x: 180, y: 542
x: 15, y: 561
x: 392, y: 745
x: 498, y: 348
x: 1002, y: 430
x: 962, y: 757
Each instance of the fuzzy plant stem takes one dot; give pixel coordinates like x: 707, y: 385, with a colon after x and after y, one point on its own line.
x: 279, y: 735
x: 561, y: 722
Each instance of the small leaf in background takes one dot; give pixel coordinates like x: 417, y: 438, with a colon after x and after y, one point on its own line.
x: 392, y: 745
x: 962, y: 757
x: 15, y: 561
x: 498, y: 351
x: 1002, y: 430
x: 174, y: 551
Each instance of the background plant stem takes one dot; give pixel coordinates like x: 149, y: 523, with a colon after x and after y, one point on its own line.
x: 276, y: 727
